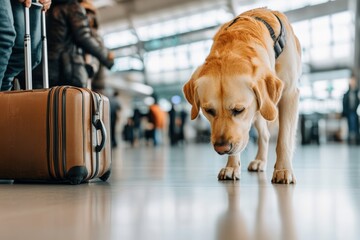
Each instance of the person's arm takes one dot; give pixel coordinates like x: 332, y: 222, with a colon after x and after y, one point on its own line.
x: 83, y: 37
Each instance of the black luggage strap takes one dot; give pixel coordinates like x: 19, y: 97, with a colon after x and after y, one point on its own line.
x: 279, y: 42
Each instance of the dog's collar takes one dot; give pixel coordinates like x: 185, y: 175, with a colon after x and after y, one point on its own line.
x: 279, y: 42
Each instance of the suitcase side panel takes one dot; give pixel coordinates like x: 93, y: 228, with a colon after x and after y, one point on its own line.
x: 105, y: 159
x: 101, y: 109
x: 71, y: 126
x: 23, y: 127
x: 77, y: 132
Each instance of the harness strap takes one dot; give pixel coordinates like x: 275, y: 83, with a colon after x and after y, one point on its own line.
x: 279, y: 42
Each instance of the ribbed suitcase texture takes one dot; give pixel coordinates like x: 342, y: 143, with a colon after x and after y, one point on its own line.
x: 56, y: 134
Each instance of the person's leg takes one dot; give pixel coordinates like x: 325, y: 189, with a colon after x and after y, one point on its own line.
x: 7, y: 36
x: 16, y: 61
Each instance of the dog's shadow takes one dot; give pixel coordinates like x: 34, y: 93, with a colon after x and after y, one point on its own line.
x: 237, y: 221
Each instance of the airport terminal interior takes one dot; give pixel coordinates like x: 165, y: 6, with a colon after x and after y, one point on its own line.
x: 165, y: 185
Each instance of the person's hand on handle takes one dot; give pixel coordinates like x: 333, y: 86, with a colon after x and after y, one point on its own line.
x: 46, y: 4
x: 27, y: 3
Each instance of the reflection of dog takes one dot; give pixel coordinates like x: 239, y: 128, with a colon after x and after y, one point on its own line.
x: 250, y: 74
x: 235, y: 223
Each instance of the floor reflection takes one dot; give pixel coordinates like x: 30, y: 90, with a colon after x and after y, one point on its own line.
x: 235, y: 222
x: 232, y: 223
x: 173, y: 193
x: 55, y: 212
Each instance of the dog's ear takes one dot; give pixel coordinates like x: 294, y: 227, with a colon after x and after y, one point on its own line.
x: 191, y: 95
x: 268, y: 91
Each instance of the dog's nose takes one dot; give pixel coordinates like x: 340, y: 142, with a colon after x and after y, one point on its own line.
x: 222, y: 148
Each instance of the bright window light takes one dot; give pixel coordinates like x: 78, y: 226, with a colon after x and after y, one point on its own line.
x: 340, y: 86
x: 177, y: 58
x: 342, y: 50
x: 153, y: 61
x: 343, y: 27
x: 168, y: 59
x: 320, y: 53
x: 120, y: 39
x: 280, y: 5
x: 321, y: 89
x: 184, y: 24
x: 182, y: 57
x: 302, y: 31
x: 127, y: 63
x: 321, y: 31
x: 305, y: 91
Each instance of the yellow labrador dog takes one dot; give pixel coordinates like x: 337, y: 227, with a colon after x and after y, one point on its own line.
x: 250, y: 77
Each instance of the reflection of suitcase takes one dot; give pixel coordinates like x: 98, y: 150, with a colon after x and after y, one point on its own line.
x: 56, y: 134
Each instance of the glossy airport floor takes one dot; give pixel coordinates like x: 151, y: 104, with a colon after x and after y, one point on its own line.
x: 173, y: 193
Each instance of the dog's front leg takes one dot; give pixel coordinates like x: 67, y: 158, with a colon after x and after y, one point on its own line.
x: 288, y: 116
x: 260, y: 162
x: 232, y: 169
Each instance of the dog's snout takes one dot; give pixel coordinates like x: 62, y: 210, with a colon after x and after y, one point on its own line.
x: 222, y: 147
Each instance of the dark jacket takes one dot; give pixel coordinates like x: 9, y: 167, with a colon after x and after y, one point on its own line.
x: 69, y: 37
x: 347, y: 109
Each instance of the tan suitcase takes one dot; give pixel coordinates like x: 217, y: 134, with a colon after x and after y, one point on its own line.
x: 56, y: 134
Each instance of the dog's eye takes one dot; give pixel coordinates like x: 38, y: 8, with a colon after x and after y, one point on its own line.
x: 210, y: 111
x: 236, y: 111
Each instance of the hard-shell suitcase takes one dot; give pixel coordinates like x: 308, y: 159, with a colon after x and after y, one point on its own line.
x: 53, y: 134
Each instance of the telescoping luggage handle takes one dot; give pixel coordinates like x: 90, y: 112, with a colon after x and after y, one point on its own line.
x: 27, y: 49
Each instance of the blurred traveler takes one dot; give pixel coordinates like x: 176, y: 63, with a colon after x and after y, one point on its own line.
x: 128, y: 132
x: 183, y: 118
x: 137, y: 117
x: 351, y: 102
x: 157, y: 118
x: 93, y: 66
x: 69, y: 37
x: 115, y: 107
x: 12, y: 31
x: 202, y: 128
x: 173, y: 131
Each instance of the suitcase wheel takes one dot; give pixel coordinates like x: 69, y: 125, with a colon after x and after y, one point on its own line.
x: 75, y: 180
x: 105, y: 176
x: 76, y: 174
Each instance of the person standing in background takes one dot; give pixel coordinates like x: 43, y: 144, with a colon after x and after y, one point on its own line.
x: 173, y: 133
x: 95, y: 69
x: 137, y: 117
x: 115, y: 108
x: 69, y: 37
x: 351, y: 102
x: 157, y: 118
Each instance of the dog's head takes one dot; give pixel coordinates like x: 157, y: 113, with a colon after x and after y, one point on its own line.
x: 230, y: 103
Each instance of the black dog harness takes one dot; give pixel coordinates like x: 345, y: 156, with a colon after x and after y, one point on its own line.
x: 279, y: 42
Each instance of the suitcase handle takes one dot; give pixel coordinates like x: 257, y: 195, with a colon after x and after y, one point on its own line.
x: 99, y: 125
x: 27, y: 49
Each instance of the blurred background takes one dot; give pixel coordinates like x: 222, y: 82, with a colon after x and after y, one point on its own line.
x: 159, y: 43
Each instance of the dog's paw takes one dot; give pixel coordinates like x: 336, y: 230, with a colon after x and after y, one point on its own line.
x: 257, y: 166
x: 283, y: 176
x: 229, y: 173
